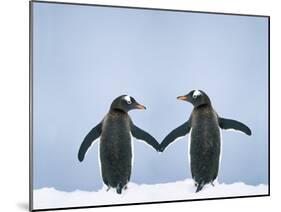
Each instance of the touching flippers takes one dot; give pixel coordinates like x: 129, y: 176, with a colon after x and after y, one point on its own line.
x: 144, y: 136
x: 232, y: 124
x: 176, y: 133
x: 88, y: 140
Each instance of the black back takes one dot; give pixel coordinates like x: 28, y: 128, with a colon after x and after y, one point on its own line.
x: 205, y: 144
x: 116, y: 149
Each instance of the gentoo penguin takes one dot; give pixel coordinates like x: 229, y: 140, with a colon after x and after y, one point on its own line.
x: 115, y: 147
x: 205, y: 142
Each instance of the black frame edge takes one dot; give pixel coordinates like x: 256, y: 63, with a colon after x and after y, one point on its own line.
x: 148, y: 8
x: 268, y: 22
x: 149, y: 203
x: 30, y: 106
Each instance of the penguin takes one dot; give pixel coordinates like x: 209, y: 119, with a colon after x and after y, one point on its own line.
x: 115, y: 149
x: 204, y: 125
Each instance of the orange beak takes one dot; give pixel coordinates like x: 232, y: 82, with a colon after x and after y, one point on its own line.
x: 139, y: 106
x: 182, y: 97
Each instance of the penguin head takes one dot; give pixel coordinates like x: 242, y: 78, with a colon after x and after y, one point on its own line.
x: 196, y: 98
x: 126, y: 103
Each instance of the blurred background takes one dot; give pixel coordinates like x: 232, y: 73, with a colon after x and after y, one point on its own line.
x: 86, y: 56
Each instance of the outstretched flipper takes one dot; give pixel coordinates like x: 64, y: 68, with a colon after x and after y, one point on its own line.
x: 88, y: 140
x: 144, y: 136
x: 236, y: 125
x: 176, y: 133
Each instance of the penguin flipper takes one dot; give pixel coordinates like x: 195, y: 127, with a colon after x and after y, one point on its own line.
x: 88, y: 140
x: 144, y: 136
x: 176, y: 133
x: 232, y: 124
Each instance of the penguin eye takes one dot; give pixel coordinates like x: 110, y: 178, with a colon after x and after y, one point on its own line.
x: 195, y: 96
x: 129, y: 102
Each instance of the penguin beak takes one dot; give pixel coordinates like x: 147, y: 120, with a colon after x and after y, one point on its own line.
x: 184, y: 98
x: 139, y: 106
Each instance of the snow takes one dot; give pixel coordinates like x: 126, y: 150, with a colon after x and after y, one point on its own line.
x: 182, y: 190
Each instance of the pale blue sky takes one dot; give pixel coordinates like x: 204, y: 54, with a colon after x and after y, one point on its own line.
x: 85, y: 56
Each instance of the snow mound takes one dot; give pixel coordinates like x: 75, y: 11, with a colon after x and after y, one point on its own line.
x: 182, y: 190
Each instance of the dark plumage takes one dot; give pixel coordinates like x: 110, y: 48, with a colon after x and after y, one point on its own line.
x: 205, y: 146
x: 115, y: 142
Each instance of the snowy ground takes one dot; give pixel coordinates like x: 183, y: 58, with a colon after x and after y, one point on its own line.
x: 182, y: 190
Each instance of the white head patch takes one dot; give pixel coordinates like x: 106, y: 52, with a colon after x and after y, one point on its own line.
x: 128, y: 99
x: 196, y: 93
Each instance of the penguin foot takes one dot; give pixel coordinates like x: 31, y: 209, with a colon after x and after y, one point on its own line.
x: 125, y: 187
x: 108, y: 188
x: 119, y: 189
x: 200, y: 186
x: 212, y: 183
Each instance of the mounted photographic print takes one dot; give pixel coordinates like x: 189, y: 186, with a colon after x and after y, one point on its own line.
x: 137, y: 105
